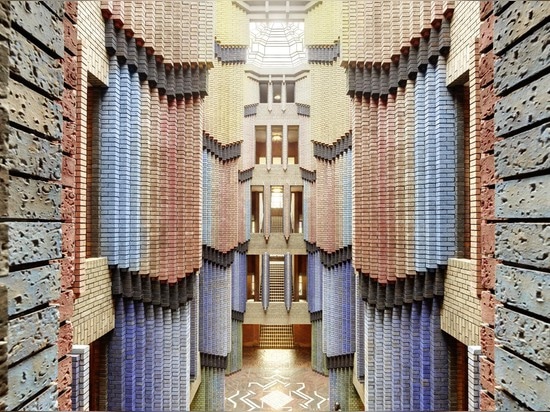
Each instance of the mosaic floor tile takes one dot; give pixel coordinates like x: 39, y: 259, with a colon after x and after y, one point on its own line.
x: 276, y: 379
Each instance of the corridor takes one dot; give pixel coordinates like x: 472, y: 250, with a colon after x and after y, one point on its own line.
x: 276, y: 379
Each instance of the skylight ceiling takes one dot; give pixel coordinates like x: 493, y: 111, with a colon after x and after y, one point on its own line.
x: 276, y: 44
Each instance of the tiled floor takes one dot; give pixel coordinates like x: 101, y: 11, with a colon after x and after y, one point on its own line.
x: 276, y: 379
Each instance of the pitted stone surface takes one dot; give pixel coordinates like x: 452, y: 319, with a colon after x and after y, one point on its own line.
x: 524, y: 289
x: 68, y: 167
x: 71, y: 42
x: 34, y: 111
x: 487, y: 165
x: 488, y: 239
x: 500, y: 5
x: 525, y: 243
x: 487, y: 338
x: 64, y: 376
x: 66, y: 305
x: 486, y: 68
x: 32, y: 287
x: 44, y: 402
x: 3, y: 373
x: 33, y: 242
x: 31, y: 333
x: 68, y: 239
x: 526, y: 198
x: 487, y: 134
x: 68, y: 204
x: 4, y: 67
x: 56, y: 7
x: 30, y: 376
x: 69, y: 104
x: 70, y: 70
x: 35, y: 66
x: 524, y: 153
x: 71, y: 10
x: 486, y: 403
x: 486, y: 34
x: 3, y: 312
x: 34, y: 199
x: 516, y: 21
x: 488, y: 304
x: 34, y: 156
x: 67, y: 273
x: 68, y: 144
x: 4, y: 250
x: 526, y: 336
x: 487, y: 203
x: 489, y: 99
x: 523, y: 107
x: 487, y: 374
x: 505, y: 402
x: 521, y: 379
x: 488, y: 271
x: 511, y: 69
x: 4, y: 18
x: 37, y: 20
x: 65, y: 339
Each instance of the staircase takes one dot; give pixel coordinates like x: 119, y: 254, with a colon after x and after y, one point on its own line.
x: 276, y: 282
x: 276, y: 220
x: 276, y: 337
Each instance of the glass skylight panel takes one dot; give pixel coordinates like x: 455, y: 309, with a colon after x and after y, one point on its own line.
x: 276, y: 44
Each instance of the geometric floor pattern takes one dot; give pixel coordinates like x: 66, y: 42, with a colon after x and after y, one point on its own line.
x: 276, y: 380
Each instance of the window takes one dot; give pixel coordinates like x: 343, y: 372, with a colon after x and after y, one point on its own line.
x: 263, y: 92
x: 290, y: 92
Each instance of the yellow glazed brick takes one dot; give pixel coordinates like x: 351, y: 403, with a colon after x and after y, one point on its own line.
x: 461, y: 306
x: 464, y: 27
x: 232, y: 27
x: 322, y: 24
x: 91, y: 31
x: 224, y: 111
x: 329, y: 117
x: 94, y: 314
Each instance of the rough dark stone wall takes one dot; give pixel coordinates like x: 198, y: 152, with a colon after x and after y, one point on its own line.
x: 4, y: 56
x: 31, y: 196
x: 522, y: 205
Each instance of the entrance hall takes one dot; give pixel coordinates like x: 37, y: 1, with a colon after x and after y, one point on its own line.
x: 276, y: 379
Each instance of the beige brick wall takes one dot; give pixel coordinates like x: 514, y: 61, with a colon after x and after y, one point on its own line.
x: 464, y: 31
x: 91, y: 31
x: 94, y: 313
x: 330, y: 106
x: 224, y: 110
x: 232, y: 27
x: 323, y: 23
x: 461, y: 311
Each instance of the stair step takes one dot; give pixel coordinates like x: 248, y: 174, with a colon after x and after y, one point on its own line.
x: 276, y: 336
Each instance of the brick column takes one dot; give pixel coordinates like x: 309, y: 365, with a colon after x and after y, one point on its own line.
x: 473, y: 377
x: 69, y: 265
x: 80, y: 397
x: 268, y: 147
x: 488, y: 181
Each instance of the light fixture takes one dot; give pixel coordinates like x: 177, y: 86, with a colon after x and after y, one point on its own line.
x: 277, y: 97
x: 276, y: 137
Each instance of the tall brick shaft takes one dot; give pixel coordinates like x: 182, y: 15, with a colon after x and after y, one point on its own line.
x: 366, y: 180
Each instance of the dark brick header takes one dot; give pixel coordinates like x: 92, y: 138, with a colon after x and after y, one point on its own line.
x: 150, y: 290
x: 223, y: 152
x: 330, y: 152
